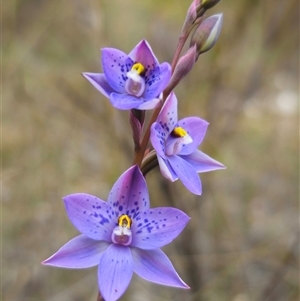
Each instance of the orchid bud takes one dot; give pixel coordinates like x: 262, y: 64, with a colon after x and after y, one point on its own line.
x: 191, y: 16
x: 206, y: 4
x: 183, y: 67
x: 206, y: 34
x: 195, y: 12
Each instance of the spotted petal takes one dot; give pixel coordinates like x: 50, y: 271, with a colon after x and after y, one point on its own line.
x: 202, y: 162
x: 79, y: 252
x: 90, y: 215
x: 186, y: 173
x: 155, y: 266
x: 167, y: 117
x: 115, y: 272
x: 129, y: 194
x: 99, y: 81
x: 196, y: 128
x: 115, y: 65
x: 157, y: 80
x: 142, y: 53
x: 157, y: 227
x: 158, y: 137
x: 149, y: 104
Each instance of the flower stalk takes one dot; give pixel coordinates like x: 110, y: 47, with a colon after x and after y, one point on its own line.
x: 149, y: 162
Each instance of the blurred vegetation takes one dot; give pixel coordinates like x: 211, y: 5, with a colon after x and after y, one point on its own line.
x: 61, y: 136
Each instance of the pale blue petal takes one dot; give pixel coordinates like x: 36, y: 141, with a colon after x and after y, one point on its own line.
x: 157, y: 227
x: 91, y: 215
x: 155, y: 266
x: 202, y: 162
x: 99, y: 81
x: 196, y: 128
x: 115, y: 65
x: 129, y: 195
x: 186, y: 173
x: 80, y: 252
x: 115, y: 272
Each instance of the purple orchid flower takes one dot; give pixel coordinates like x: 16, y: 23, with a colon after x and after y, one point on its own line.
x: 132, y: 81
x: 121, y: 236
x: 176, y: 142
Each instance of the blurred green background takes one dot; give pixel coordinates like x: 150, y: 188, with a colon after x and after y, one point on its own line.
x: 61, y: 136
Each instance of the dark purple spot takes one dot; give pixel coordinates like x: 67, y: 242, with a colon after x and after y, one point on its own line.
x: 149, y: 229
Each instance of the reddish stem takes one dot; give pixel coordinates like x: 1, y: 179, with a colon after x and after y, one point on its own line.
x: 139, y: 154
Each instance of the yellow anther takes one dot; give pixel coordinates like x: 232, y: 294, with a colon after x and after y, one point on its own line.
x: 179, y: 132
x: 125, y: 221
x: 139, y: 68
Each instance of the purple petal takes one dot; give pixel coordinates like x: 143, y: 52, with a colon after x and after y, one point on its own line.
x: 115, y: 272
x: 125, y: 101
x: 91, y: 215
x: 149, y: 104
x: 167, y: 117
x: 166, y: 169
x: 158, y: 137
x: 115, y: 65
x: 79, y: 252
x: 142, y: 53
x: 155, y: 266
x: 202, y: 162
x: 186, y: 173
x: 157, y: 80
x: 129, y: 194
x: 196, y: 128
x: 157, y: 227
x: 98, y: 80
x: 129, y: 102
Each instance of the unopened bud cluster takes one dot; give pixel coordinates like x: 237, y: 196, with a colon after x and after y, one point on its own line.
x: 204, y: 36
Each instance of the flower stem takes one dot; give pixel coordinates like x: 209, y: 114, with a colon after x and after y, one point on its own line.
x: 140, y: 152
x: 182, y: 39
x: 181, y: 42
x: 149, y: 163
